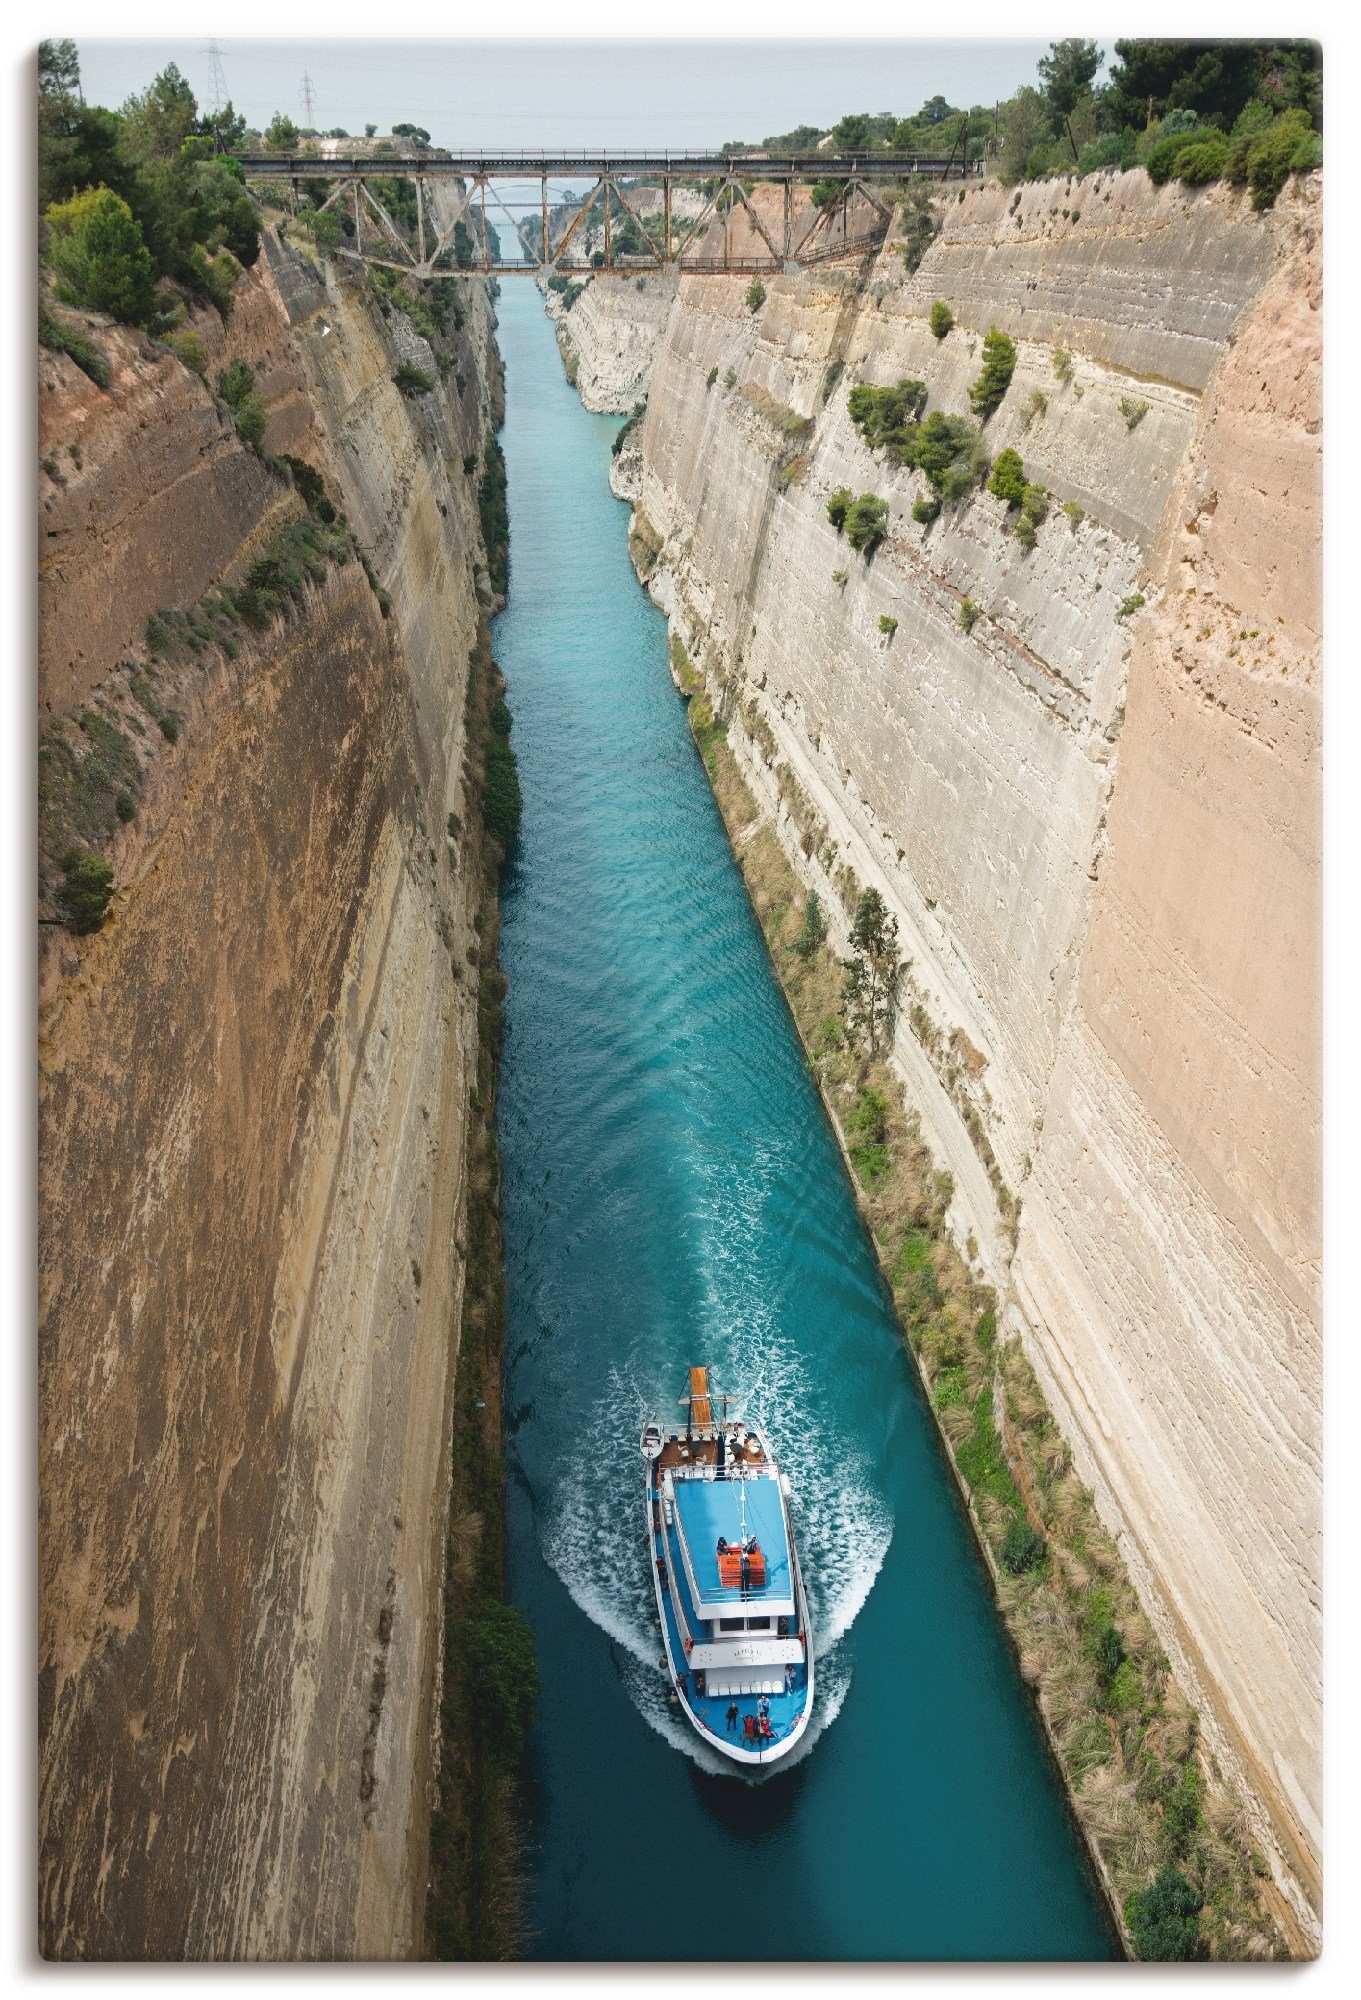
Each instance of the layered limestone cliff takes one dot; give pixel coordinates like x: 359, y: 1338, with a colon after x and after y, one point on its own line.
x: 1086, y: 780
x: 610, y: 336
x: 254, y: 1089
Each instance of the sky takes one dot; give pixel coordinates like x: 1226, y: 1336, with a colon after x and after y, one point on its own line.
x: 588, y: 94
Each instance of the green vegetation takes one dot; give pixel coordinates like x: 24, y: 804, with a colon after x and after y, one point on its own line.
x: 993, y: 381
x: 95, y: 245
x: 1008, y: 477
x: 188, y: 347
x: 884, y: 416
x: 968, y: 614
x: 887, y: 625
x: 813, y: 928
x: 494, y: 517
x: 867, y: 524
x: 713, y: 377
x: 1063, y: 365
x: 86, y: 888
x: 569, y: 290
x: 490, y: 1678
x: 949, y: 450
x: 63, y: 338
x: 1130, y: 605
x: 502, y: 802
x: 756, y: 295
x: 872, y: 973
x: 1244, y: 111
x: 1133, y: 410
x: 1023, y: 1547
x: 626, y: 429
x: 144, y: 207
x: 925, y: 511
x: 866, y: 1127
x: 236, y: 387
x: 1028, y: 502
x: 921, y: 224
x: 839, y: 506
x: 1164, y: 1919
x: 942, y: 319
x: 411, y: 380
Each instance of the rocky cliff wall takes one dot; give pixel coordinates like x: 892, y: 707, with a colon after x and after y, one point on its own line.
x: 610, y: 337
x: 1096, y: 820
x: 254, y: 1084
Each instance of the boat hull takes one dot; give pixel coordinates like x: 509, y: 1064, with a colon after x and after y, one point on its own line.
x: 706, y: 1713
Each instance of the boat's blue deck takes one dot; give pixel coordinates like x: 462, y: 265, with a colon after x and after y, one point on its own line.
x: 709, y: 1508
x: 711, y: 1710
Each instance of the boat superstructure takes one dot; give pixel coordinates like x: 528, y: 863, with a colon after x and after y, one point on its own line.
x: 730, y: 1596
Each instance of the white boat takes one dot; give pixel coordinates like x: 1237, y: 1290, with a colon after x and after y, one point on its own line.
x: 730, y: 1597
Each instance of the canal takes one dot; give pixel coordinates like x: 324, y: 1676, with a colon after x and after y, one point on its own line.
x: 672, y: 1195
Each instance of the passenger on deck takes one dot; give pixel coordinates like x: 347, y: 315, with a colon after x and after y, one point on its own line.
x: 748, y: 1730
x: 763, y: 1707
x: 722, y: 1545
x: 731, y: 1718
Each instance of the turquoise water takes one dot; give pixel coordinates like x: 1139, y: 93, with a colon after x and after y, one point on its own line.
x: 672, y: 1195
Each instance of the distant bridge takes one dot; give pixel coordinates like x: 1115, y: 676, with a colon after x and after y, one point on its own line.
x: 729, y: 233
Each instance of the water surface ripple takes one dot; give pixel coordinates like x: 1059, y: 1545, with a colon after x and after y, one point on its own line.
x: 672, y: 1195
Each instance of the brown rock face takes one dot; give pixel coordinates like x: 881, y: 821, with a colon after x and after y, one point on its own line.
x: 253, y: 1107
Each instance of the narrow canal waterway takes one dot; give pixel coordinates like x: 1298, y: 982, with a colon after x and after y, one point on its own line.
x: 672, y: 1195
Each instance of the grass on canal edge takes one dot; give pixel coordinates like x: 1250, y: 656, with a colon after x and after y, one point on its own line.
x: 475, y: 1906
x: 1176, y: 1852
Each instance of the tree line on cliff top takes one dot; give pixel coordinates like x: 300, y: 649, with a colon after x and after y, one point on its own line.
x: 1239, y: 110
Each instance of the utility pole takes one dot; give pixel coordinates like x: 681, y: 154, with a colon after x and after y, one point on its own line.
x: 309, y: 116
x: 217, y: 81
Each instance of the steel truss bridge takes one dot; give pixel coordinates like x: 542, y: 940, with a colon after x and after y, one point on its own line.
x: 730, y: 233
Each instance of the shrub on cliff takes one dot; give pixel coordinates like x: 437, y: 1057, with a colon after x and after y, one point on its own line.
x: 1008, y: 477
x: 882, y: 416
x: 867, y: 1138
x: 502, y: 801
x: 756, y: 295
x: 1265, y: 158
x: 1160, y: 161
x: 942, y: 319
x: 63, y: 338
x: 188, y: 347
x: 872, y: 972
x: 250, y: 413
x: 1034, y: 507
x: 925, y: 511
x: 1203, y: 160
x: 1023, y: 1547
x: 867, y: 524
x: 813, y: 928
x: 413, y: 381
x: 101, y: 260
x: 839, y: 506
x: 999, y: 365
x: 503, y: 1678
x: 1163, y: 1919
x: 921, y: 224
x: 86, y: 888
x: 494, y: 516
